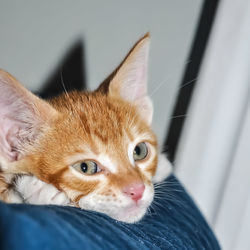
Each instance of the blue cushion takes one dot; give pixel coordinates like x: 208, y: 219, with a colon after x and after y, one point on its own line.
x: 174, y: 222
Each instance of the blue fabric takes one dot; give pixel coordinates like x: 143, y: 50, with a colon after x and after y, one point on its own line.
x: 174, y: 223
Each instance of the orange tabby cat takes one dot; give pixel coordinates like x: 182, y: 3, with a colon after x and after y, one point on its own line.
x: 93, y: 150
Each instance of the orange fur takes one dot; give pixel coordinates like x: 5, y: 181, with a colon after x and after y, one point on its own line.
x: 88, y: 126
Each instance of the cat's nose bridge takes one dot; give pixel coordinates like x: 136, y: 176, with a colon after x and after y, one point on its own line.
x: 128, y: 170
x: 126, y: 176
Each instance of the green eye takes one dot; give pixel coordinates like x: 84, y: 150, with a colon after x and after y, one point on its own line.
x: 140, y: 151
x: 87, y: 167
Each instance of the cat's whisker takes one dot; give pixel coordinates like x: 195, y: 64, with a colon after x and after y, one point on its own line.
x: 188, y: 83
x: 167, y: 182
x: 168, y: 79
x: 63, y: 85
x: 163, y: 189
x: 71, y: 101
x: 170, y: 198
x: 158, y: 87
x: 178, y: 116
x: 151, y: 211
x: 157, y: 206
x: 170, y: 189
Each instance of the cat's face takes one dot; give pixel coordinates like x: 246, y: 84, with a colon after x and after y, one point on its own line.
x: 97, y: 147
x: 102, y: 154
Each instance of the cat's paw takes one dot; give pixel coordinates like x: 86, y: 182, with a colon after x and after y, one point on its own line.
x: 14, y: 197
x: 163, y: 170
x: 35, y: 191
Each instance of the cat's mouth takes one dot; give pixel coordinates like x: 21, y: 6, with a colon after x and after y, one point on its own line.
x: 125, y: 209
x: 130, y: 214
x: 134, y: 212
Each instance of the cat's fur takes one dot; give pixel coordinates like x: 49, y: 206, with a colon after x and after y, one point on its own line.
x: 41, y: 141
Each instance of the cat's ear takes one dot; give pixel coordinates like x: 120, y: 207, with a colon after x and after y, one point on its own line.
x: 130, y: 80
x: 23, y: 116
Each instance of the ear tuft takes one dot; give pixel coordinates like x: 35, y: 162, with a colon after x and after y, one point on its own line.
x: 22, y: 116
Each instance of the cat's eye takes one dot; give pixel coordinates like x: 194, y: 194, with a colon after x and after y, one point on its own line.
x: 140, y: 151
x: 87, y: 167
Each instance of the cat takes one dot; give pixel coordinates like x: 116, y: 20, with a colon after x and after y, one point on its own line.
x: 93, y: 150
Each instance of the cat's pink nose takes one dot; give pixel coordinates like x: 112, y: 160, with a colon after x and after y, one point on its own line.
x: 135, y: 191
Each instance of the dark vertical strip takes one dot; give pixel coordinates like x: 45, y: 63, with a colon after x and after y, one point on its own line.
x: 189, y: 78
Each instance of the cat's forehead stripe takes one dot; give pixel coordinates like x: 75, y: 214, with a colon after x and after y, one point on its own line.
x: 107, y: 163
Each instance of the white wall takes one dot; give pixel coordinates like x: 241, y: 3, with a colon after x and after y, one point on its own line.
x: 233, y: 218
x: 213, y: 157
x: 35, y: 35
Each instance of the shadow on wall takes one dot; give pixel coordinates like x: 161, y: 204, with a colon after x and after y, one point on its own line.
x: 69, y: 74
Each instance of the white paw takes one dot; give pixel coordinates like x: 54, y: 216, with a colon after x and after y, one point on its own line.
x: 35, y: 191
x: 14, y: 197
x: 163, y: 170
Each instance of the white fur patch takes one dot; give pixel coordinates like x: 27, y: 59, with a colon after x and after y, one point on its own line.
x: 163, y: 170
x: 35, y: 191
x: 131, y: 148
x: 121, y: 208
x: 14, y: 197
x: 107, y: 163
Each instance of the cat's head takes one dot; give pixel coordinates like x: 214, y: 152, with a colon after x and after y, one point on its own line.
x: 97, y: 147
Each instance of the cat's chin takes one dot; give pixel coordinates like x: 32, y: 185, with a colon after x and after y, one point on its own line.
x: 124, y: 209
x: 130, y: 215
